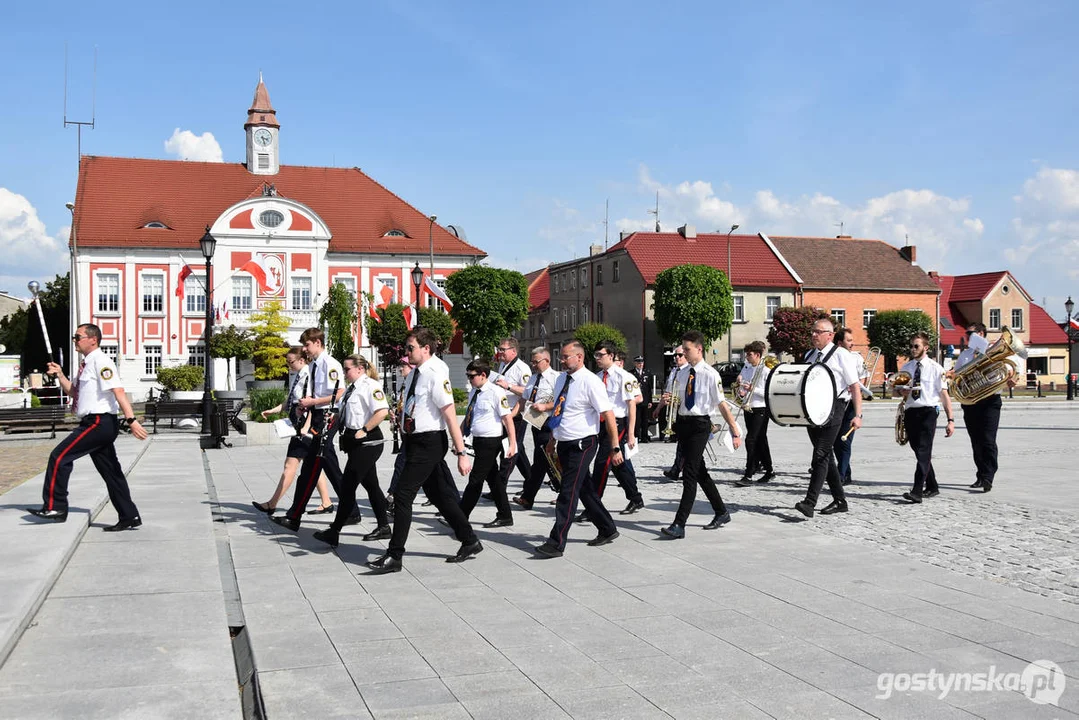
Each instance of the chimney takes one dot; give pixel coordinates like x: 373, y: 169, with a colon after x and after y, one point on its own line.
x: 844, y: 237
x: 595, y: 250
x: 687, y: 231
x: 909, y: 253
x: 623, y: 235
x: 934, y: 274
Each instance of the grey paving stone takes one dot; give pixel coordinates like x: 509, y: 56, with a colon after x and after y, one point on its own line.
x: 322, y: 691
x: 212, y: 701
x: 805, y: 705
x: 384, y: 661
x: 610, y: 702
x: 411, y: 696
x: 289, y: 648
x: 531, y: 706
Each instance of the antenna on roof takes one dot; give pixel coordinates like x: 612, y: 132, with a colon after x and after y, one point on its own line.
x: 93, y: 104
x: 606, y: 221
x: 839, y: 225
x: 656, y: 211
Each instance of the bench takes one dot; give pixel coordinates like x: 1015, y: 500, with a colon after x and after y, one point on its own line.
x: 173, y: 410
x: 46, y: 417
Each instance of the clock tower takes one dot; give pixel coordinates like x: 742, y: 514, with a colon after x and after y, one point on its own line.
x: 263, y: 153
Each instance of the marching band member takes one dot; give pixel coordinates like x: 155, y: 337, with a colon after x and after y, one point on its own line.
x: 661, y: 411
x: 363, y: 408
x: 758, y: 454
x: 845, y: 371
x: 700, y: 391
x: 644, y: 415
x: 622, y: 391
x: 981, y: 418
x: 541, y: 385
x: 487, y: 418
x: 581, y: 411
x: 513, y: 375
x: 928, y: 390
x: 844, y: 338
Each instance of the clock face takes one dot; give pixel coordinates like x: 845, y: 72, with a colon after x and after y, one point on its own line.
x: 263, y: 137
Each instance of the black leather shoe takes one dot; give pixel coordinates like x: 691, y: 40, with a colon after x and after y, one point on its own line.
x: 670, y: 474
x: 322, y: 510
x: 427, y: 503
x: 603, y: 539
x: 581, y: 517
x: 499, y: 522
x: 634, y: 506
x: 263, y: 507
x: 718, y: 521
x: 328, y: 536
x: 847, y: 481
x: 56, y: 516
x: 805, y: 508
x: 353, y: 519
x: 986, y: 487
x: 382, y: 532
x: 522, y: 503
x: 674, y: 532
x: 283, y: 521
x: 548, y: 550
x: 767, y: 476
x: 930, y: 493
x: 977, y: 484
x: 912, y: 497
x: 124, y: 525
x: 743, y: 482
x: 385, y: 564
x: 834, y: 507
x: 467, y: 550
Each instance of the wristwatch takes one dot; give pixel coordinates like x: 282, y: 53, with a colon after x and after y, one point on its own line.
x: 615, y: 450
x: 457, y: 452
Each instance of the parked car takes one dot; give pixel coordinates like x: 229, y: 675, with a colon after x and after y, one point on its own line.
x: 728, y: 372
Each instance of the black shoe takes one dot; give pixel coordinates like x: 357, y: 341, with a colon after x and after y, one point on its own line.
x: 124, y: 525
x: 912, y: 497
x: 499, y: 522
x: 674, y: 531
x: 834, y: 507
x: 467, y: 550
x: 385, y: 564
x: 263, y: 507
x: 719, y: 521
x: 986, y: 487
x: 548, y: 550
x: 767, y: 476
x: 328, y: 536
x: 847, y: 481
x: 582, y: 517
x: 56, y: 516
x: 805, y: 508
x: 671, y: 474
x: 353, y: 519
x: 382, y: 532
x: 743, y: 482
x: 322, y: 510
x: 930, y: 493
x: 977, y: 484
x: 522, y: 503
x: 283, y: 521
x: 427, y: 503
x: 634, y: 506
x: 603, y: 539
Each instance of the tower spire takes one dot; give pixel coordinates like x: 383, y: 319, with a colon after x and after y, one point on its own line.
x: 261, y: 111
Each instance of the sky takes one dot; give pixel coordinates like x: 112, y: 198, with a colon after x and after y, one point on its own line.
x: 948, y: 126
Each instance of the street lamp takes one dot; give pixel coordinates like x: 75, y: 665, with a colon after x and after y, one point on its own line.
x: 733, y: 228
x: 431, y: 242
x: 417, y: 280
x: 74, y: 282
x: 208, y: 243
x: 1069, y: 306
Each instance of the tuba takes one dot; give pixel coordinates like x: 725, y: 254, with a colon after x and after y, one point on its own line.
x: 901, y: 378
x: 988, y: 373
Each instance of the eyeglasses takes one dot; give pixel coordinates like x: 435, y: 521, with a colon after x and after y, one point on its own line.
x: 471, y: 375
x: 410, y: 347
x: 679, y: 354
x: 564, y: 358
x: 823, y: 332
x: 76, y: 337
x: 506, y: 349
x: 598, y: 355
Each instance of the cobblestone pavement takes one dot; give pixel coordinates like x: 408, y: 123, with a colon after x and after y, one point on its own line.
x: 21, y: 460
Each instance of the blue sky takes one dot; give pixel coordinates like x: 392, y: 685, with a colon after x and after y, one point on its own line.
x: 951, y: 123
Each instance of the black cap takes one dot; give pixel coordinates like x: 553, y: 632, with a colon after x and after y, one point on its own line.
x: 639, y: 358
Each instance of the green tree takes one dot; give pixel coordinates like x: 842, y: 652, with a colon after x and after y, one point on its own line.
x: 591, y: 334
x: 488, y: 305
x: 55, y: 300
x: 891, y: 331
x: 337, y: 317
x: 388, y: 336
x: 230, y: 344
x: 692, y: 297
x: 439, y: 323
x: 269, y: 328
x: 791, y: 330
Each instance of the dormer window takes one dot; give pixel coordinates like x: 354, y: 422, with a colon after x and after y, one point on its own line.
x: 157, y: 225
x: 271, y: 218
x: 395, y: 233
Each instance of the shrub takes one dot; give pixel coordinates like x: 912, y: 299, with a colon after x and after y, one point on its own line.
x: 264, y: 400
x: 182, y: 378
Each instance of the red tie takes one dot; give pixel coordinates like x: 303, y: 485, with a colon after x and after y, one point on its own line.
x: 604, y: 377
x: 75, y: 388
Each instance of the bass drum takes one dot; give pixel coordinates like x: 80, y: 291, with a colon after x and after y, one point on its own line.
x: 800, y: 394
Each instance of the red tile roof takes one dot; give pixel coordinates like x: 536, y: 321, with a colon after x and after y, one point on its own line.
x: 948, y: 311
x: 261, y: 111
x: 539, y: 289
x: 851, y: 264
x: 967, y: 288
x: 118, y: 196
x: 1044, y: 330
x: 753, y: 264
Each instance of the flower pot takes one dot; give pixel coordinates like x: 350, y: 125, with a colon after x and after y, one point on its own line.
x: 266, y: 385
x: 230, y: 394
x: 185, y: 394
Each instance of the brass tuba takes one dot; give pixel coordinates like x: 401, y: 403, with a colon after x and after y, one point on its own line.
x: 901, y: 378
x: 988, y: 373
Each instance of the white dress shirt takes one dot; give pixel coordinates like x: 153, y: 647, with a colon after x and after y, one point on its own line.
x: 542, y: 383
x: 621, y: 388
x: 931, y: 382
x: 366, y: 399
x: 491, y: 406
x: 325, y: 373
x: 96, y: 380
x: 298, y: 381
x: 433, y: 392
x: 516, y: 373
x: 707, y: 390
x: 842, y: 363
x: 757, y: 390
x: 586, y: 399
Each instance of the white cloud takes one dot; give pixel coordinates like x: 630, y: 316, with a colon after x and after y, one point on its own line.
x: 1046, y: 226
x: 186, y: 145
x: 29, y: 251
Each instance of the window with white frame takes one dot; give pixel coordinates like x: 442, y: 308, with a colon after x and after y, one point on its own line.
x: 348, y: 281
x: 1017, y: 318
x: 839, y: 317
x: 391, y: 283
x: 599, y: 276
x: 153, y: 294
x: 432, y: 301
x: 770, y: 307
x: 195, y: 294
x: 196, y: 355
x: 557, y: 284
x: 584, y: 314
x: 739, y: 308
x: 615, y: 275
x: 108, y: 293
x: 152, y: 353
x: 301, y: 293
x: 573, y: 316
x: 994, y: 318
x: 556, y: 325
x: 867, y: 317
x: 584, y: 277
x: 242, y: 292
x: 112, y: 352
x: 565, y: 320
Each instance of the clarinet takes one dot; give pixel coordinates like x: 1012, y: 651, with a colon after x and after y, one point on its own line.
x: 297, y: 415
x: 324, y: 435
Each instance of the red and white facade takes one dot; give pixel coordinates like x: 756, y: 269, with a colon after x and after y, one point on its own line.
x: 284, y: 233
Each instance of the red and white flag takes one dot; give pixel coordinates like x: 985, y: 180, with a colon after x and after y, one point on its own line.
x: 1073, y: 323
x: 258, y: 272
x: 184, y: 272
x: 410, y: 316
x: 432, y: 288
x: 225, y: 308
x: 372, y: 311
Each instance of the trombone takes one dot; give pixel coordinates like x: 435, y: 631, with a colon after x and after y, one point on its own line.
x: 869, y: 366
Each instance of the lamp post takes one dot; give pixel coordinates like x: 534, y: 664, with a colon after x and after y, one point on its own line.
x: 733, y: 228
x: 431, y: 242
x: 74, y: 283
x: 207, y: 243
x: 1069, y: 306
x: 417, y: 280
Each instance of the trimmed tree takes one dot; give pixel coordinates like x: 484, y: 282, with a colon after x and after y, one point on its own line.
x: 337, y: 317
x: 388, y: 336
x: 232, y: 343
x: 592, y: 334
x: 692, y: 297
x: 791, y: 330
x: 488, y: 305
x: 891, y: 331
x: 439, y: 323
x: 269, y: 328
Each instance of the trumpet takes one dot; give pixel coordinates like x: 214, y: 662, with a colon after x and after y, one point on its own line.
x: 901, y: 378
x: 672, y: 414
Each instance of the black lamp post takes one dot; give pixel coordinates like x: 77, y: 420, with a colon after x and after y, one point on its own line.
x: 1069, y: 306
x: 208, y: 243
x: 417, y: 280
x: 733, y: 228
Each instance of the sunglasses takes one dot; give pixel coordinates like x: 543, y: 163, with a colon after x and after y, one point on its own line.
x: 411, y: 347
x: 679, y: 354
x: 76, y: 337
x: 471, y: 375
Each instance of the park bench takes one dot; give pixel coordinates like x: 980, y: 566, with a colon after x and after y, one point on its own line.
x: 173, y: 410
x: 39, y: 419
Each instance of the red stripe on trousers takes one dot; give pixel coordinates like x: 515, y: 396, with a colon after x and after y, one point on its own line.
x: 309, y: 487
x: 572, y: 499
x: 607, y: 467
x: 60, y: 458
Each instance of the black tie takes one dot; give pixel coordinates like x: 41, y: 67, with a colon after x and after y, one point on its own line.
x: 690, y: 390
x: 410, y: 403
x: 344, y: 404
x: 466, y: 426
x: 535, y: 387
x: 917, y: 393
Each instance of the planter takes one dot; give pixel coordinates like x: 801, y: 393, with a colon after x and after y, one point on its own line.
x: 230, y: 394
x: 185, y: 394
x: 259, y: 433
x: 266, y: 385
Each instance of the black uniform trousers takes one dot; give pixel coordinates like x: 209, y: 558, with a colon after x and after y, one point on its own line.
x: 95, y: 436
x: 982, y: 420
x: 824, y: 466
x: 758, y: 454
x: 316, y: 462
x: 921, y: 424
x: 540, y: 467
x: 693, y: 432
x: 843, y: 448
x: 623, y: 473
x: 520, y: 460
x: 485, y: 469
x: 576, y: 457
x: 425, y: 466
x: 360, y: 470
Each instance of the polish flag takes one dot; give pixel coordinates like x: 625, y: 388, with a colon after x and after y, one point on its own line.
x: 372, y: 312
x: 433, y: 289
x: 410, y: 316
x: 386, y: 293
x: 225, y: 307
x: 1073, y: 323
x: 258, y: 272
x: 184, y: 272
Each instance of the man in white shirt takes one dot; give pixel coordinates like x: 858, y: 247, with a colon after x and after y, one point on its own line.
x: 580, y: 411
x: 96, y: 396
x: 540, y: 387
x: 844, y: 370
x: 487, y: 418
x: 983, y: 417
x: 622, y: 391
x: 758, y: 454
x: 927, y: 390
x: 513, y: 375
x: 661, y: 412
x: 428, y: 412
x: 844, y: 338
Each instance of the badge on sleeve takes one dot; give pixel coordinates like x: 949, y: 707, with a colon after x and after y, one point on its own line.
x: 630, y: 386
x: 525, y: 378
x: 106, y: 373
x: 505, y: 402
x: 447, y: 387
x: 333, y: 375
x: 378, y: 395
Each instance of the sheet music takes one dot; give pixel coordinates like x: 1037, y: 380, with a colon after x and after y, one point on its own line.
x: 284, y: 428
